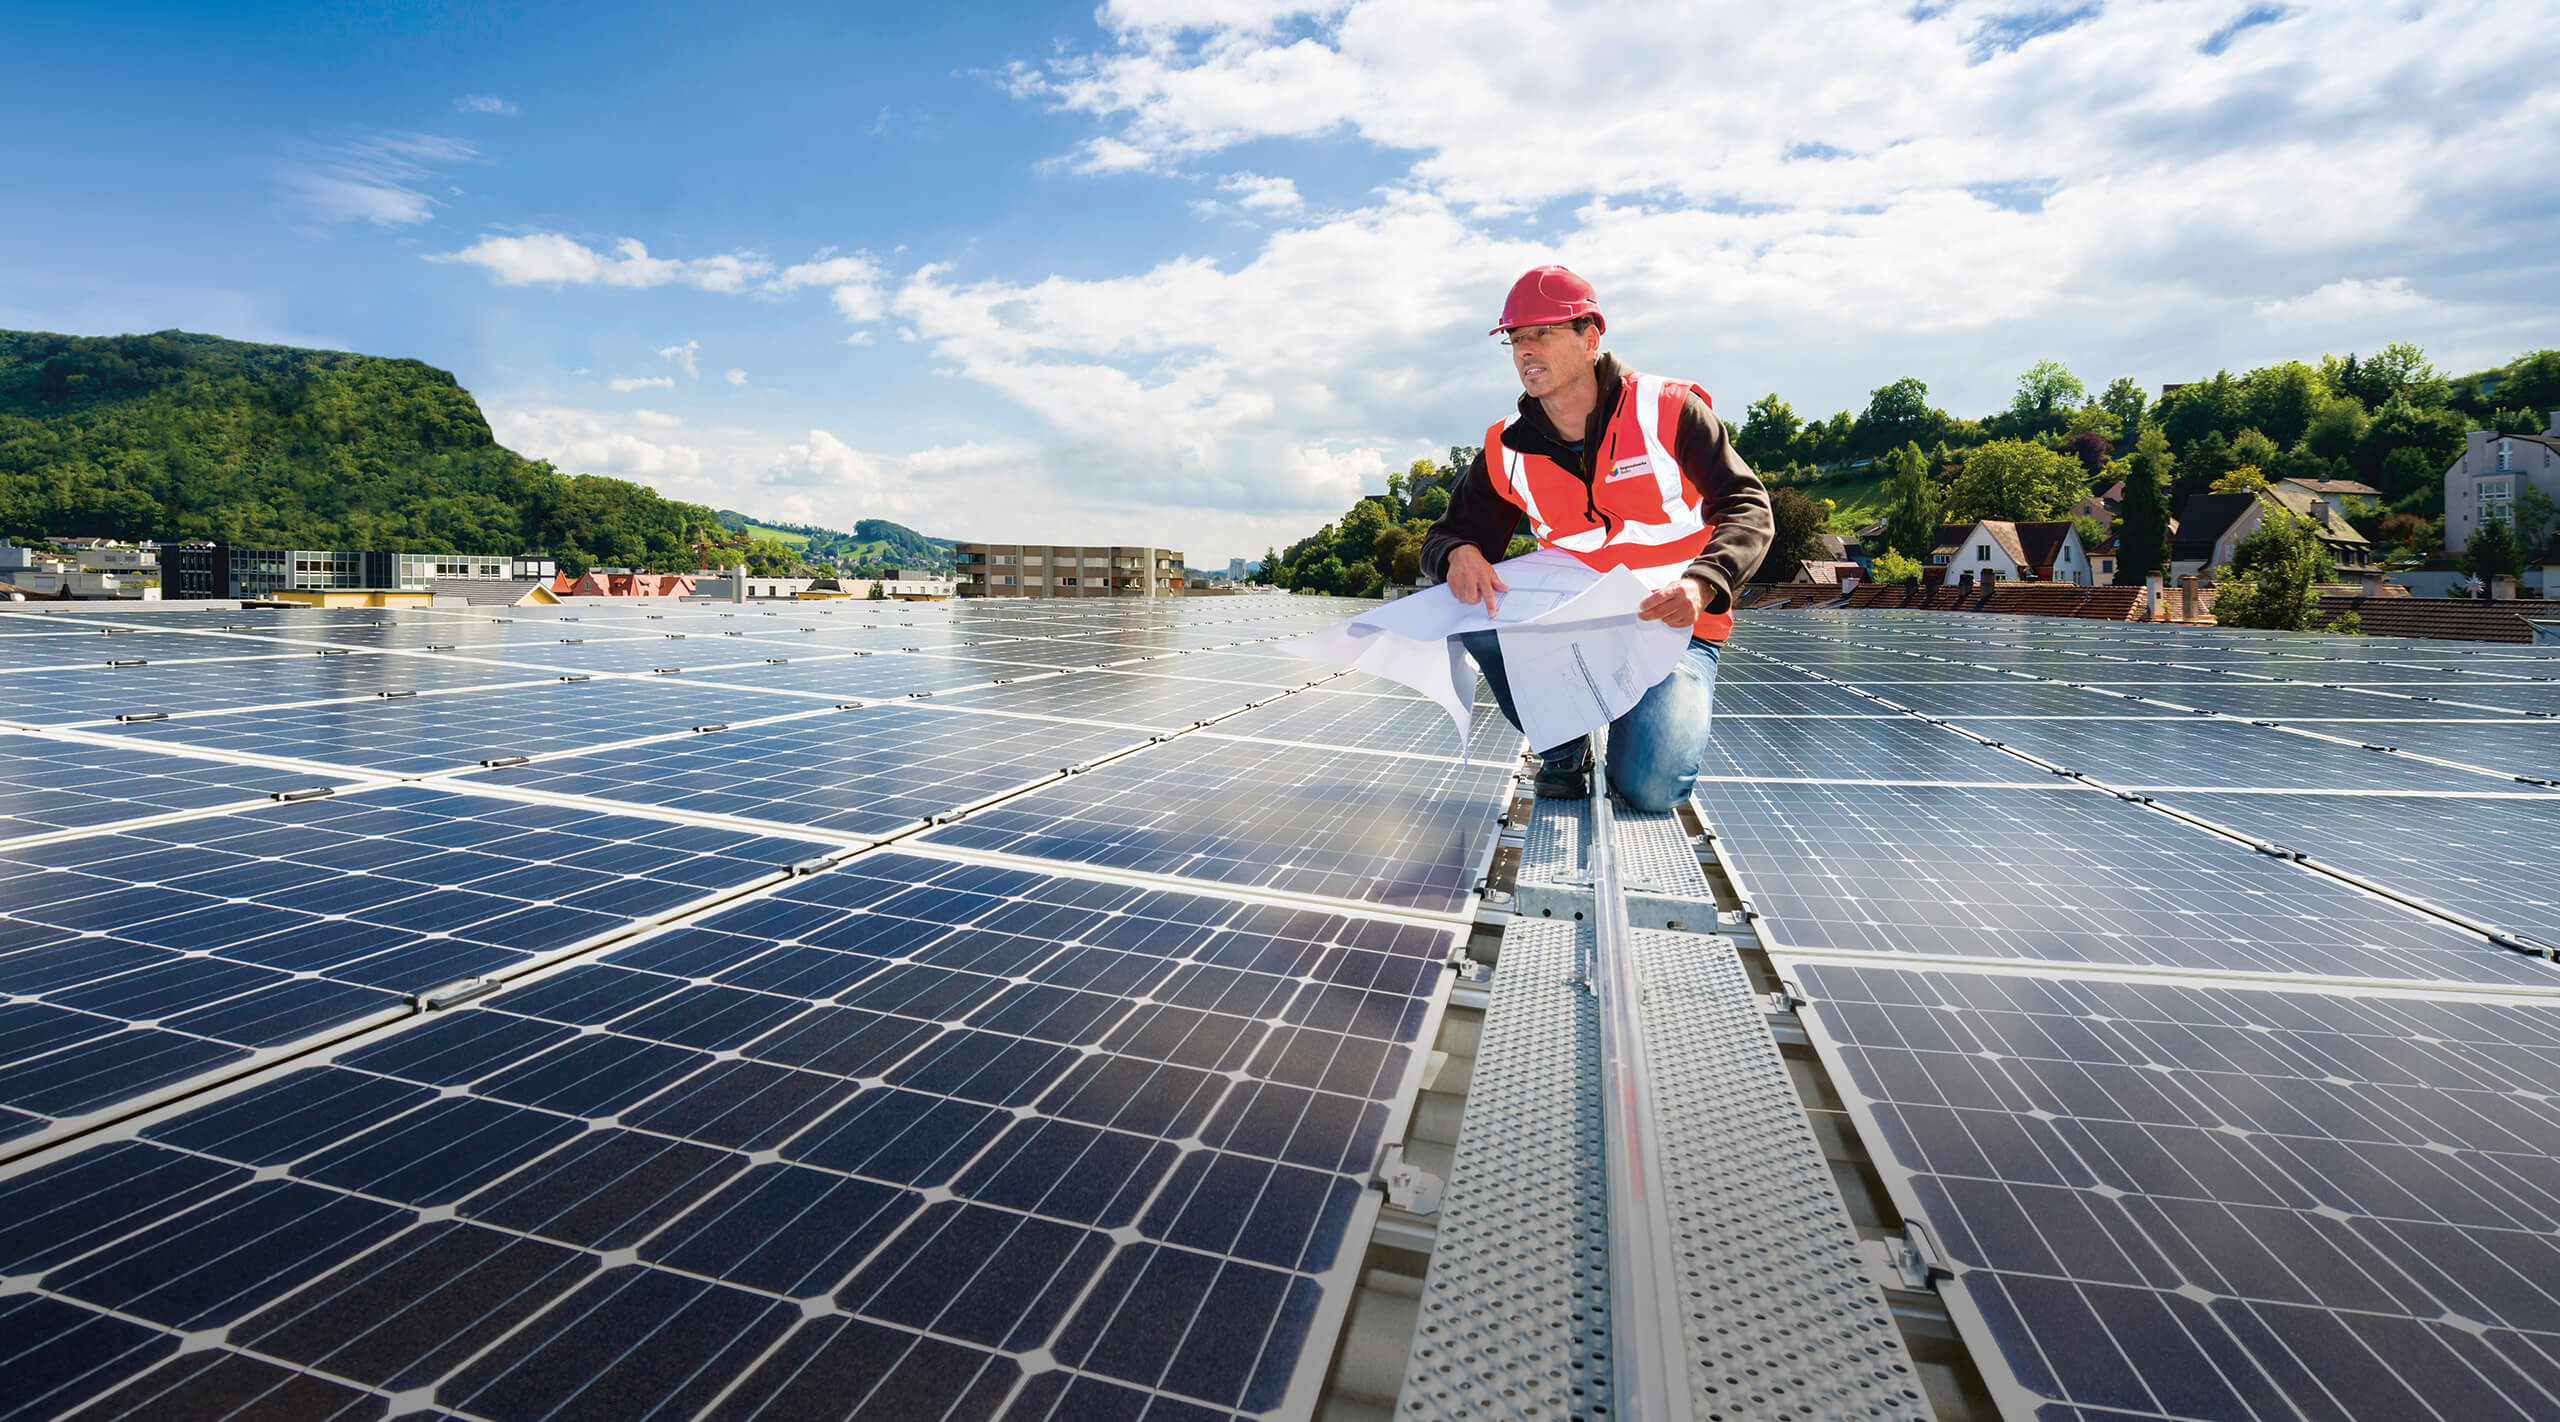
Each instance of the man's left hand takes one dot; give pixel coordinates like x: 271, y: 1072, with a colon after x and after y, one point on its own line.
x: 1678, y: 604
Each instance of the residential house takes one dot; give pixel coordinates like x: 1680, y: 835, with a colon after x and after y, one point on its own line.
x: 1997, y: 549
x: 2102, y: 563
x: 2209, y: 531
x: 2101, y: 508
x: 2493, y: 471
x: 2350, y: 550
x: 2212, y: 527
x: 2053, y: 553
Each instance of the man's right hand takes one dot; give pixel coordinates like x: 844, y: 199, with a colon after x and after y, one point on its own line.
x: 1472, y: 579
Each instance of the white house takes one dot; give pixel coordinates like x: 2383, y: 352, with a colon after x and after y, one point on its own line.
x: 2044, y: 552
x: 2493, y: 471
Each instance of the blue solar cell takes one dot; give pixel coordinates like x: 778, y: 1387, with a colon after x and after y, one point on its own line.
x: 785, y: 1230
x: 2209, y: 1201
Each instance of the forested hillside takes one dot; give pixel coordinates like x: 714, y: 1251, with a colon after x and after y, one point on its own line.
x: 875, y: 543
x: 176, y: 435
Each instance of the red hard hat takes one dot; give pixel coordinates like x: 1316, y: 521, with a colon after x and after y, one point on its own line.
x: 1549, y: 296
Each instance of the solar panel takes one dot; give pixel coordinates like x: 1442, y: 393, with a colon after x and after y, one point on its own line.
x: 137, y: 959
x: 1348, y: 825
x: 2504, y: 747
x: 1797, y: 698
x: 48, y: 785
x: 61, y: 698
x: 2170, y: 1201
x: 1358, y: 721
x: 2144, y: 754
x: 2494, y: 860
x: 1120, y: 698
x: 625, y: 1189
x: 1900, y: 748
x: 430, y: 733
x: 876, y: 770
x: 2061, y: 876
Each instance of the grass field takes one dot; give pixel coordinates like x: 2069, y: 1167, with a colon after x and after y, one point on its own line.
x: 1860, y: 500
x: 796, y: 540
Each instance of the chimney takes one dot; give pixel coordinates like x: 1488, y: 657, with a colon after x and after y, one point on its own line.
x: 2502, y: 588
x: 2186, y: 597
x: 2555, y: 424
x: 738, y: 583
x: 2372, y: 584
x: 2151, y: 600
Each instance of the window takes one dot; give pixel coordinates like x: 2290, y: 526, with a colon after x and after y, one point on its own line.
x: 2506, y: 454
x: 2497, y: 500
x: 1982, y: 553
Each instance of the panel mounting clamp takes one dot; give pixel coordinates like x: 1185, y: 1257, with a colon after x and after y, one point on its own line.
x: 1408, y: 1186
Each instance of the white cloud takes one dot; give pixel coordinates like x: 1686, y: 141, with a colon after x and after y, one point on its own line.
x: 373, y: 179
x: 737, y: 377
x: 628, y: 383
x: 656, y: 420
x: 484, y: 104
x: 550, y: 259
x: 586, y: 442
x: 1256, y: 193
x: 855, y: 283
x: 2346, y: 302
x: 683, y: 355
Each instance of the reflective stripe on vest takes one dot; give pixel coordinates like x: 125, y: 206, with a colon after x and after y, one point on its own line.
x: 1666, y: 528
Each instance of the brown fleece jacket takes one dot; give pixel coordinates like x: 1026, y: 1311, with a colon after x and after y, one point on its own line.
x: 1736, y: 502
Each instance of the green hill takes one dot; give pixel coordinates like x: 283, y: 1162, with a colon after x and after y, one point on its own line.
x: 177, y: 435
x: 874, y: 542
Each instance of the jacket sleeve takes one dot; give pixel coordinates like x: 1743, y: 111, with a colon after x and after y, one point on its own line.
x: 1736, y: 501
x: 1476, y: 515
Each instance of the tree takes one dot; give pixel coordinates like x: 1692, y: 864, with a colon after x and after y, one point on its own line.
x: 2534, y: 513
x: 879, y: 590
x: 2492, y: 551
x: 2254, y: 448
x: 1914, y: 505
x: 2142, y: 527
x: 2336, y: 428
x: 2532, y: 382
x: 2045, y: 393
x: 2208, y: 459
x: 2124, y: 400
x: 2200, y: 408
x: 1433, y: 503
x: 2281, y: 399
x: 2244, y: 480
x: 2433, y: 438
x: 1799, y: 521
x: 1896, y: 414
x: 2091, y: 534
x: 1769, y: 426
x: 1892, y: 569
x: 2272, y: 575
x: 2013, y: 479
x: 2092, y: 449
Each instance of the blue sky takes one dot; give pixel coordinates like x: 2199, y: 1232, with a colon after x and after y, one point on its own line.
x: 1194, y: 272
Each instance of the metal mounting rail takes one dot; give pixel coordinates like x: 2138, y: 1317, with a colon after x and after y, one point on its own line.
x: 1649, y: 1360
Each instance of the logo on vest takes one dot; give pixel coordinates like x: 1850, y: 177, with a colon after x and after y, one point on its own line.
x: 1640, y: 467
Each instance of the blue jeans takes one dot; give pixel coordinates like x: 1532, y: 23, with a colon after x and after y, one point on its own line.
x: 1656, y: 747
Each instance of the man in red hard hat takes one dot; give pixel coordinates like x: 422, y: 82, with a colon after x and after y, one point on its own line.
x: 1622, y: 470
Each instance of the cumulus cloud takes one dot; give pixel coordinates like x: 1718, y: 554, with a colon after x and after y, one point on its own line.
x: 737, y: 377
x: 2346, y: 302
x: 550, y: 259
x: 586, y: 442
x: 627, y: 383
x: 683, y: 355
x: 1256, y: 193
x: 657, y: 420
x: 375, y: 179
x: 855, y: 283
x: 484, y: 104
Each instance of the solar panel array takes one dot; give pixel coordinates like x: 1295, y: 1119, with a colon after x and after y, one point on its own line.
x: 931, y: 1011
x: 2190, y: 988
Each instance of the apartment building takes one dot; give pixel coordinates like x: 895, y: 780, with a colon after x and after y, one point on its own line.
x: 2493, y: 471
x: 1044, y: 570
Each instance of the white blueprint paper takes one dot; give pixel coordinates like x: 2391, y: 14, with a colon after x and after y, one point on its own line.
x: 1572, y: 647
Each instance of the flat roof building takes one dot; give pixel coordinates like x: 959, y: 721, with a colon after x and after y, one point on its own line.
x: 1048, y: 570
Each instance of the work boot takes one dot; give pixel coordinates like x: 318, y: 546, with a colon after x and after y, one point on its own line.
x: 1564, y: 773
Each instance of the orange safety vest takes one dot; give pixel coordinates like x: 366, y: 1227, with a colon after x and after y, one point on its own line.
x: 1649, y: 516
